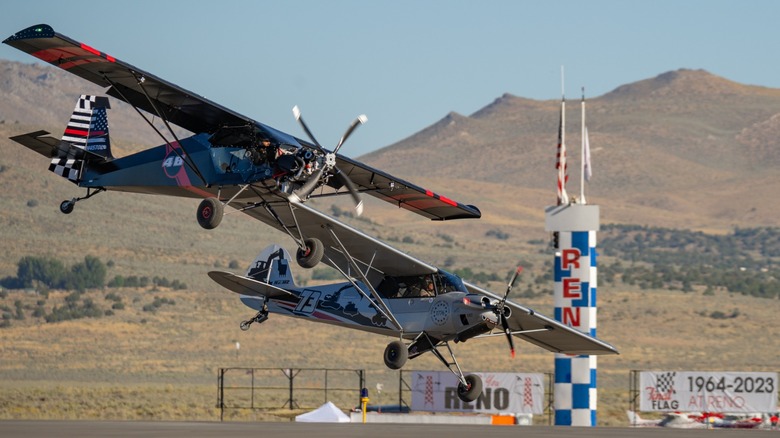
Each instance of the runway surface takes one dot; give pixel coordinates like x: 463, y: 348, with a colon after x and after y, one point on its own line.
x: 148, y: 429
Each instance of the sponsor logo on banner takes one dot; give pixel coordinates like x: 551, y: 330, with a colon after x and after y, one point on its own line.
x: 731, y: 392
x: 437, y: 391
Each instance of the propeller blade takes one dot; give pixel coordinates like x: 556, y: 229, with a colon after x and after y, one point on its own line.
x: 512, y: 281
x: 508, y: 332
x: 297, y: 114
x: 310, y: 184
x: 355, y: 123
x: 344, y: 179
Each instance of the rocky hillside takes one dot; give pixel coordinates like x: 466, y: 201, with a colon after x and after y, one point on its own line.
x: 685, y: 143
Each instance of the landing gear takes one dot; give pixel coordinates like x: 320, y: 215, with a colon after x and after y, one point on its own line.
x: 310, y: 256
x: 67, y: 206
x: 210, y: 212
x: 259, y: 318
x: 469, y: 387
x: 471, y: 390
x: 396, y: 355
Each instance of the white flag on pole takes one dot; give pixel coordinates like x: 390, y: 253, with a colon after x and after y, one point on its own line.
x: 588, y: 167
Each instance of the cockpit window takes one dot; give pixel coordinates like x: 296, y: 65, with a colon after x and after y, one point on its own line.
x: 420, y: 286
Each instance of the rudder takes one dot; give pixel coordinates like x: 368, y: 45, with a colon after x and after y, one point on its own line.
x: 88, y: 126
x: 272, y: 266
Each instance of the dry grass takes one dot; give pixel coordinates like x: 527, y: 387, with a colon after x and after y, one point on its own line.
x: 163, y: 365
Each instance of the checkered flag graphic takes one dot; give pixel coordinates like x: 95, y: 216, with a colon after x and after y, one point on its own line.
x: 67, y: 168
x: 665, y: 383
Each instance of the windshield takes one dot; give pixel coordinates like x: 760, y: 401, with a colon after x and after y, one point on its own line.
x: 450, y: 283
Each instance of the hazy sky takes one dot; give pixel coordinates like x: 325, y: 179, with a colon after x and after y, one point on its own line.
x: 406, y: 64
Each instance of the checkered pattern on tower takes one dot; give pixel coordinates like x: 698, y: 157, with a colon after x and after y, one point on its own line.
x: 575, y: 305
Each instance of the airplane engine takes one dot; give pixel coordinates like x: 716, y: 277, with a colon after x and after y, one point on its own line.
x: 472, y: 331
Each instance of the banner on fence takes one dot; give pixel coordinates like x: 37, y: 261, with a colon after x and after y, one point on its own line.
x: 691, y: 391
x: 437, y: 391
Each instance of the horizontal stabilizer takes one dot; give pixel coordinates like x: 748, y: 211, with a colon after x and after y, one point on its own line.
x: 50, y: 147
x: 247, y: 286
x: 46, y: 146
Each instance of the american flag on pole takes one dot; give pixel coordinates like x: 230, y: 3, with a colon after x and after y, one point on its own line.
x: 560, y: 163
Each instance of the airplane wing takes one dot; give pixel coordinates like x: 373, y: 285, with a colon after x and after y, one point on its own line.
x: 372, y: 255
x: 377, y: 259
x: 197, y: 114
x: 124, y: 81
x: 404, y: 194
x: 557, y: 338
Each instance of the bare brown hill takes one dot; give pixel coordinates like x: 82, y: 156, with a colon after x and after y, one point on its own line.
x: 43, y: 97
x: 683, y: 143
x: 683, y: 149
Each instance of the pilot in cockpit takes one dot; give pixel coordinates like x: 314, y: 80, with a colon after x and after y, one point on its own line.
x: 266, y: 152
x: 428, y: 290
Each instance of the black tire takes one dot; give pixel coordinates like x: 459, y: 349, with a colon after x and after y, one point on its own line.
x: 473, y: 389
x: 210, y: 213
x: 311, y: 256
x: 396, y: 355
x: 67, y: 207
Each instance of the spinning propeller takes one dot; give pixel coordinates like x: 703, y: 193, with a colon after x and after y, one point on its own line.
x: 503, y: 314
x: 329, y: 167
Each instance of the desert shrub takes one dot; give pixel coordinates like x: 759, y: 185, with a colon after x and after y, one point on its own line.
x: 498, y: 234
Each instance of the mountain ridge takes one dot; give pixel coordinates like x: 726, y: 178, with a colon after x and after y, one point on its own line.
x: 685, y: 143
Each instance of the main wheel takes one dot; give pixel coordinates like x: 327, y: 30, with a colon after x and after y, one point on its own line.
x: 67, y: 207
x: 396, y: 355
x: 471, y: 390
x: 210, y: 213
x: 309, y: 257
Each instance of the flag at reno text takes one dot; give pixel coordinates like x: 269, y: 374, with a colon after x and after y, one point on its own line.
x: 692, y: 391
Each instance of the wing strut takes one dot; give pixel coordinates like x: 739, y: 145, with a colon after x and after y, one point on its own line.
x: 381, y: 306
x: 184, y: 158
x: 514, y: 332
x: 298, y: 240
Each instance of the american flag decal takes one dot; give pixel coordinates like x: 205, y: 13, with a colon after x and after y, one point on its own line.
x: 88, y: 126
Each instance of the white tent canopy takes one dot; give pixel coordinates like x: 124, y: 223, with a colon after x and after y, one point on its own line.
x: 327, y: 413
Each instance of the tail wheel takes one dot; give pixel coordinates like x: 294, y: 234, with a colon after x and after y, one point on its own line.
x: 210, y: 213
x: 310, y: 256
x: 396, y: 355
x: 471, y: 390
x: 67, y: 207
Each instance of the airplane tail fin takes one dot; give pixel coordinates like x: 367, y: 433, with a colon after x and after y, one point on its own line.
x: 88, y: 127
x: 272, y: 266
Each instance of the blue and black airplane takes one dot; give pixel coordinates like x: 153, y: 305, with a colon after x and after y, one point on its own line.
x: 230, y: 160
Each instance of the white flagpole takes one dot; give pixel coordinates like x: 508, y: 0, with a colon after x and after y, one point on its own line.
x: 582, y: 153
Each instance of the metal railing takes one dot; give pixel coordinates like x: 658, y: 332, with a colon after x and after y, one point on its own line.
x: 291, y: 388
